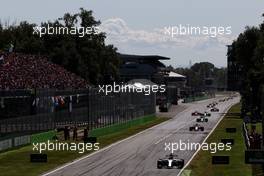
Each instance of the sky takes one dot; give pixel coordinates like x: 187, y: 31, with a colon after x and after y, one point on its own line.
x: 137, y: 26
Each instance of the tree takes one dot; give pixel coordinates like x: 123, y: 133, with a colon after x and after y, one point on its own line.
x: 87, y: 56
x: 199, y: 72
x: 248, y: 51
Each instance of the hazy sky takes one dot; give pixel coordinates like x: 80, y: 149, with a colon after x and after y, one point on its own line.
x: 134, y: 26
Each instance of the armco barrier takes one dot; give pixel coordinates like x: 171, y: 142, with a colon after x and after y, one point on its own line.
x: 5, y: 144
x: 22, y: 140
x: 26, y: 139
x: 245, y: 135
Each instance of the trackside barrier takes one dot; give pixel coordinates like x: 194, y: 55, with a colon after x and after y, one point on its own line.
x: 46, y: 109
x: 22, y: 140
x: 245, y: 134
x: 26, y: 139
x: 5, y: 144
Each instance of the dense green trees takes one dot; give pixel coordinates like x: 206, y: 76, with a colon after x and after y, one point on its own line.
x: 199, y: 72
x: 87, y: 56
x: 248, y: 52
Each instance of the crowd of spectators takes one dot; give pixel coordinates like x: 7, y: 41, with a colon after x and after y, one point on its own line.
x: 20, y: 71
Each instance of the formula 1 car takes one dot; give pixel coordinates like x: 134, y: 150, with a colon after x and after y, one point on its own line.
x: 170, y: 161
x: 202, y: 119
x: 197, y: 113
x: 196, y: 127
x: 164, y: 106
x: 207, y: 114
x: 210, y: 105
x: 214, y: 109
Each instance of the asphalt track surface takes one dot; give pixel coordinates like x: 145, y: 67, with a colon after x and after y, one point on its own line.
x: 138, y: 155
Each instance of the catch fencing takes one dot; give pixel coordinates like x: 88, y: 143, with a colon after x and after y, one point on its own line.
x: 37, y: 110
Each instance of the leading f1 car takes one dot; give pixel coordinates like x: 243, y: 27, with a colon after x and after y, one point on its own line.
x: 170, y: 161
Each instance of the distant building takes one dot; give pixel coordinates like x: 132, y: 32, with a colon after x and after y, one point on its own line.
x: 233, y: 72
x: 175, y: 84
x: 142, y: 67
x: 136, y: 67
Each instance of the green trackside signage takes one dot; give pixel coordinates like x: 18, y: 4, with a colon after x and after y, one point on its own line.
x: 42, y: 137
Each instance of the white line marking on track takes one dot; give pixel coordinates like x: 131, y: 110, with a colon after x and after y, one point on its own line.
x: 163, y: 138
x: 226, y: 110
x: 103, y: 149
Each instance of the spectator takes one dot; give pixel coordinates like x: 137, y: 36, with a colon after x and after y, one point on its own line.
x: 75, y: 131
x: 66, y: 133
x: 1, y: 60
x: 20, y: 71
x: 11, y: 48
x: 85, y: 133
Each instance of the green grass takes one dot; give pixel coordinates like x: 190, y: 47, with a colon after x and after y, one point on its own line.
x: 201, y: 164
x: 16, y: 162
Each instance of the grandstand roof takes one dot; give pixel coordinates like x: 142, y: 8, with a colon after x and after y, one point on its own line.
x: 142, y: 57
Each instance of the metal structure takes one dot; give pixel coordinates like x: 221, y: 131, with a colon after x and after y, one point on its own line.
x: 29, y: 111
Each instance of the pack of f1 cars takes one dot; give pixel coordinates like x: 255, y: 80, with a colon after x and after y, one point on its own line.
x: 197, y: 113
x: 202, y: 119
x: 196, y: 127
x: 214, y: 109
x: 211, y: 105
x: 170, y: 161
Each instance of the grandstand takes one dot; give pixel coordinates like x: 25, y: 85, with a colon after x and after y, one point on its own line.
x: 37, y: 95
x: 20, y: 71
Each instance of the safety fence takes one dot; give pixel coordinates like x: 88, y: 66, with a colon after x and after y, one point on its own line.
x: 38, y: 110
x: 14, y: 142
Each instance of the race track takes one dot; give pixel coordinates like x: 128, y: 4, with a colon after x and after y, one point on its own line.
x: 138, y: 155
